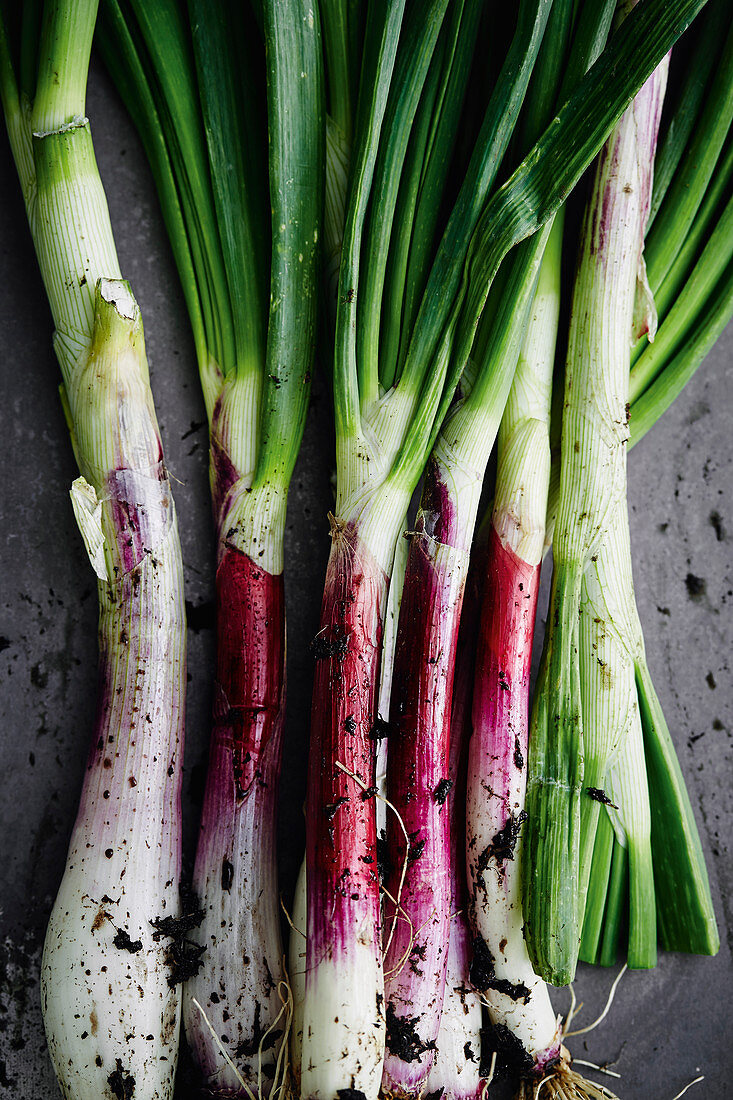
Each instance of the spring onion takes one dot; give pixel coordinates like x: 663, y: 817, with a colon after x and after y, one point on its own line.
x: 456, y: 1071
x: 588, y: 675
x: 203, y: 118
x: 110, y: 998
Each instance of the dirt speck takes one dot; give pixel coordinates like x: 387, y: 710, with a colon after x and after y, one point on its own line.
x: 124, y: 942
x: 100, y: 918
x: 442, y: 791
x: 716, y: 523
x: 121, y: 1083
x: 696, y: 586
x: 402, y: 1038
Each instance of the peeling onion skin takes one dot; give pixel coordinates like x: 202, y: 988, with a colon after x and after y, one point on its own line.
x: 110, y: 1012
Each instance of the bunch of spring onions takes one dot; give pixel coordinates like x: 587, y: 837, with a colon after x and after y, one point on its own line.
x: 349, y: 1016
x: 211, y: 93
x: 110, y: 962
x: 273, y: 132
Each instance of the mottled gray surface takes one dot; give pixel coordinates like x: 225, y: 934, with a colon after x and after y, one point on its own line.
x: 666, y: 1026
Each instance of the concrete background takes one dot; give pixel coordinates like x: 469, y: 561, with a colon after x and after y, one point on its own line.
x: 667, y: 1026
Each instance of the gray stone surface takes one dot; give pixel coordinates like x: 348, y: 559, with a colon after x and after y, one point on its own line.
x: 667, y: 1026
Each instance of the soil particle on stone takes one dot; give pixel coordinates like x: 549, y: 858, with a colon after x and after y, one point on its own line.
x: 716, y: 522
x: 696, y: 586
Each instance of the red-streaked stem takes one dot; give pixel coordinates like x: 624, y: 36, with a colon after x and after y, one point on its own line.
x: 455, y: 1074
x: 239, y: 986
x: 109, y: 994
x: 343, y: 1024
x: 519, y: 1004
x: 420, y: 883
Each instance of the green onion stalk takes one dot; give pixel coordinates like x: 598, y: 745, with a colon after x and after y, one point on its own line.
x: 695, y: 301
x: 689, y: 324
x: 421, y: 701
x: 517, y: 999
x: 583, y: 715
x: 585, y: 722
x: 244, y: 225
x: 513, y: 534
x: 684, y: 915
x: 381, y: 422
x: 109, y: 980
